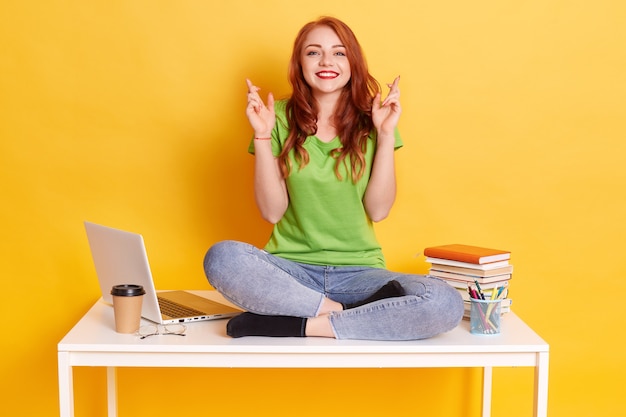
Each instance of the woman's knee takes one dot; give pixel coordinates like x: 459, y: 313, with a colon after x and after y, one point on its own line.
x: 445, y: 304
x: 451, y: 306
x: 219, y: 259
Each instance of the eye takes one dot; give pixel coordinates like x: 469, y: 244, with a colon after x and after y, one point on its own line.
x: 340, y: 53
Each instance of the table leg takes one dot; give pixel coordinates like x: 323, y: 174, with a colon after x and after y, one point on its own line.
x: 541, y: 385
x: 112, y: 391
x: 487, y: 386
x: 66, y: 385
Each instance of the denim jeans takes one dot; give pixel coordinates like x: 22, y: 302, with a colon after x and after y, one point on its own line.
x: 262, y: 283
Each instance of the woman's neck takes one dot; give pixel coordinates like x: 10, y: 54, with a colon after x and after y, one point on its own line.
x: 326, y: 130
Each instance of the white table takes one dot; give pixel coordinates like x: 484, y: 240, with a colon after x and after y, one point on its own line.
x: 94, y: 342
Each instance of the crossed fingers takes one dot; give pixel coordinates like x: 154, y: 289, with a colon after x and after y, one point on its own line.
x: 394, y: 93
x: 254, y: 99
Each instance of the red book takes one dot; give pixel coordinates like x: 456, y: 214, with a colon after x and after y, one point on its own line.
x: 467, y: 253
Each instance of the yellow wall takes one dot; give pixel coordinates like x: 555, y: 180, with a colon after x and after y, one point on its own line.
x: 131, y: 113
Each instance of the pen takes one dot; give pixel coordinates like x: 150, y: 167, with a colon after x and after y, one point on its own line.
x: 486, y: 325
x: 494, y: 293
x: 480, y: 292
x: 492, y: 304
x: 486, y: 322
x: 473, y: 293
x: 500, y: 290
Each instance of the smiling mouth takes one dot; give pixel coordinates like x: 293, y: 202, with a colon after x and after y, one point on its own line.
x: 327, y: 74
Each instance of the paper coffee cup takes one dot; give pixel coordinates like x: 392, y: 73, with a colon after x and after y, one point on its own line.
x: 127, y: 301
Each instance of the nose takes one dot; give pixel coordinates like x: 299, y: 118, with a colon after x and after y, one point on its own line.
x: 326, y: 59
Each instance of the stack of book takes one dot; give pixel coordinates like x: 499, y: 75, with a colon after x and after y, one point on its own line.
x: 464, y: 265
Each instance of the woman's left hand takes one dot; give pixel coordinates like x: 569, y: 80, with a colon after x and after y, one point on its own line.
x: 386, y: 114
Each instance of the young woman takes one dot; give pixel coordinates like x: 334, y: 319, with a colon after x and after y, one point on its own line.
x: 324, y: 172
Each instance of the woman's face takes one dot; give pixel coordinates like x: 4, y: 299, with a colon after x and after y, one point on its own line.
x: 325, y: 66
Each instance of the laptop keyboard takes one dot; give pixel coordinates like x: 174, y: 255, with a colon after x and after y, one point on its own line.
x: 172, y: 309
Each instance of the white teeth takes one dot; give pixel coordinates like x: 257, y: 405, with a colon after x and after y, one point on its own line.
x: 326, y: 74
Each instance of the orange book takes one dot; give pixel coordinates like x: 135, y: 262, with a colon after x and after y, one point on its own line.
x: 467, y: 253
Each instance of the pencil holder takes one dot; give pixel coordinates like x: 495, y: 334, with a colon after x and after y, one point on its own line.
x: 485, y: 316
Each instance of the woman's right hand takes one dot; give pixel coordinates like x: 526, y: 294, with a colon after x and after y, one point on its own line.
x: 262, y: 118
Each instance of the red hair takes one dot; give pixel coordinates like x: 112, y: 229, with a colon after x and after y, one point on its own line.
x: 353, y: 118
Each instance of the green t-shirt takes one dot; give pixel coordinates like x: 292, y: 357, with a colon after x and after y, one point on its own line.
x: 325, y: 222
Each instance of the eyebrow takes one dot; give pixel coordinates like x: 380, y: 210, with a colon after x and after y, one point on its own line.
x: 317, y: 45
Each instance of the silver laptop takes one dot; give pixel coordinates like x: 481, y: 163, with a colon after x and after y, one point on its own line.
x: 120, y: 258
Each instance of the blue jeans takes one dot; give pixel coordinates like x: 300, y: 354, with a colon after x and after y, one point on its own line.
x: 262, y: 283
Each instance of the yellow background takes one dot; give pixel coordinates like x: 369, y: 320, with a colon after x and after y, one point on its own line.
x: 131, y: 114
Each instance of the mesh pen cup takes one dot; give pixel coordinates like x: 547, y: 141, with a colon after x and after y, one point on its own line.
x: 485, y: 316
x: 127, y: 302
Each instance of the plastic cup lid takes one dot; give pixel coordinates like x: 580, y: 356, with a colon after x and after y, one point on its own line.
x: 127, y: 290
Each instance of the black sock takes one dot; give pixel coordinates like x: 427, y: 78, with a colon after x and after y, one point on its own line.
x: 250, y: 324
x: 390, y: 289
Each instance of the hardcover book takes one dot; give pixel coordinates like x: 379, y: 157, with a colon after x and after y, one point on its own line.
x: 473, y: 272
x: 469, y: 278
x: 467, y: 253
x: 483, y: 267
x: 487, y: 287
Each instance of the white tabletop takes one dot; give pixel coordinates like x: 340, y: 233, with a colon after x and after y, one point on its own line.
x: 95, y: 333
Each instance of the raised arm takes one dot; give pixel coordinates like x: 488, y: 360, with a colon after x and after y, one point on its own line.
x: 270, y: 190
x: 381, y: 190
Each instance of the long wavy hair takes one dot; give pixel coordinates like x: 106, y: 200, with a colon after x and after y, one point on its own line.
x: 353, y: 117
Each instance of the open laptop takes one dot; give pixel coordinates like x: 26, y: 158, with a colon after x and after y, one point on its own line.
x: 120, y: 258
